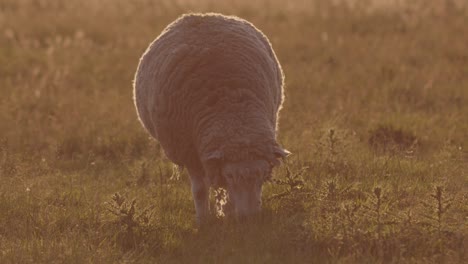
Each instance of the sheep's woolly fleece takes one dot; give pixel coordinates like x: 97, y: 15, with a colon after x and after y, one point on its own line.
x: 210, y: 85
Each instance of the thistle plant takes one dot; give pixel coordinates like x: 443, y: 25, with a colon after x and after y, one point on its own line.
x: 438, y: 207
x: 133, y: 224
x: 293, y: 182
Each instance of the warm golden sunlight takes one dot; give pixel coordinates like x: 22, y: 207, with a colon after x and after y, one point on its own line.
x: 204, y: 131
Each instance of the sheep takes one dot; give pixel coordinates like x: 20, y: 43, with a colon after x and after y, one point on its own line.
x: 209, y: 88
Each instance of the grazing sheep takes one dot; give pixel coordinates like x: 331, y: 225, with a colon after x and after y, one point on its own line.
x: 209, y: 89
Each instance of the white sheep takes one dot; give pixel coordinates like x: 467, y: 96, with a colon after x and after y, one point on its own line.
x: 209, y: 89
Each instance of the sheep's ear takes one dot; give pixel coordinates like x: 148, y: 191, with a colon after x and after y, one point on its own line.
x: 281, y: 153
x: 212, y: 161
x: 212, y: 164
x: 213, y: 156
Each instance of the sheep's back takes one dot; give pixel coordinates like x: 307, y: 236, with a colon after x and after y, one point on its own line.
x: 192, y: 67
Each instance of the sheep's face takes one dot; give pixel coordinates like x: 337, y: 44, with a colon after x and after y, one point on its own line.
x: 244, y: 182
x: 242, y: 179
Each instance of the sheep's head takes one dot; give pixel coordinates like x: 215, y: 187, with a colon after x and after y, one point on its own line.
x: 244, y: 179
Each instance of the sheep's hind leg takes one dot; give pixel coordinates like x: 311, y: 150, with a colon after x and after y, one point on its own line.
x: 200, y: 193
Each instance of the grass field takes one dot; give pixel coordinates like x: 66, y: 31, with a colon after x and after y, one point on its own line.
x: 376, y: 116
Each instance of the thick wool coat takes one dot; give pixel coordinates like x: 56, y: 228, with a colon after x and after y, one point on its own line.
x: 210, y: 86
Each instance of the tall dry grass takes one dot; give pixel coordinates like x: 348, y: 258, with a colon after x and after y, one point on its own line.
x: 376, y: 114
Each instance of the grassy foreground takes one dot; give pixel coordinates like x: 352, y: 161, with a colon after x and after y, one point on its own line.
x: 376, y: 116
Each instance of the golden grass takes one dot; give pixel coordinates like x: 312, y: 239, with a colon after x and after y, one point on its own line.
x: 376, y: 115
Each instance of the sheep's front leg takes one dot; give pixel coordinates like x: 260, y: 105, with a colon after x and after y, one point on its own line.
x: 200, y: 193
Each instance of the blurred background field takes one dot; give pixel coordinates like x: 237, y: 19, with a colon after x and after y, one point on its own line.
x: 376, y: 116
